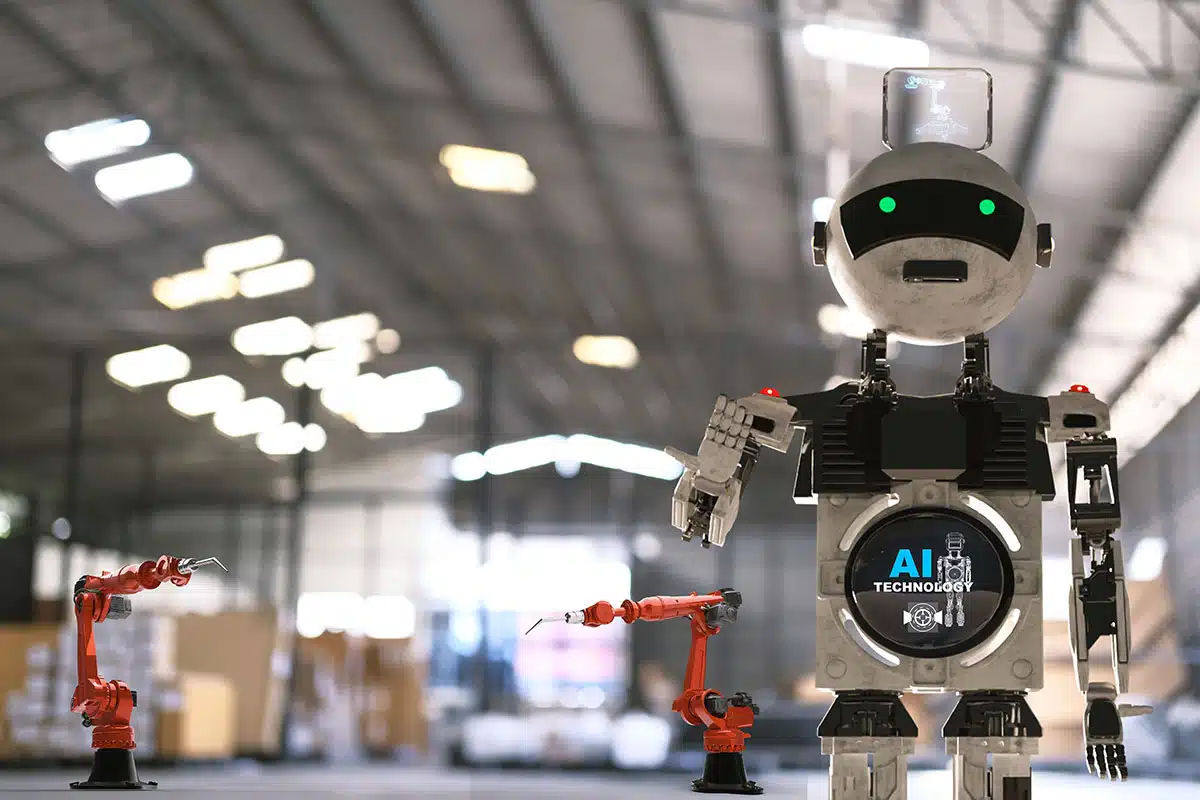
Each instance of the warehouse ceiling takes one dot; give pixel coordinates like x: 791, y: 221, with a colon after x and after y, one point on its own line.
x: 677, y: 147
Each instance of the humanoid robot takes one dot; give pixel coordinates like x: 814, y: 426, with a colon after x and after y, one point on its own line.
x: 935, y: 244
x: 954, y: 571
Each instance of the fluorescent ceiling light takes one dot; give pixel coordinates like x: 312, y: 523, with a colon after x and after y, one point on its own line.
x: 1146, y: 563
x: 345, y: 331
x: 344, y: 399
x: 822, y: 207
x: 96, y: 140
x: 206, y: 395
x: 158, y: 364
x: 530, y: 453
x: 487, y: 170
x: 426, y: 390
x: 838, y: 380
x: 246, y: 254
x: 144, y: 176
x: 841, y: 321
x: 863, y: 48
x: 634, y: 458
x: 286, y: 276
x: 291, y: 438
x: 387, y: 341
x: 468, y: 467
x: 275, y: 337
x: 616, y: 352
x: 330, y: 367
x: 253, y: 416
x: 194, y: 287
x: 526, y: 454
x: 326, y: 368
x: 377, y: 418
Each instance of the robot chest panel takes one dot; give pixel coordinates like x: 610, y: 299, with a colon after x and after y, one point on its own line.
x: 867, y: 446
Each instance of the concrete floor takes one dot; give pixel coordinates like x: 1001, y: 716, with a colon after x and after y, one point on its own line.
x: 317, y: 783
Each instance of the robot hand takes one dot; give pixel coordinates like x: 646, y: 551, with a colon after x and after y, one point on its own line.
x: 708, y: 495
x: 1104, y: 735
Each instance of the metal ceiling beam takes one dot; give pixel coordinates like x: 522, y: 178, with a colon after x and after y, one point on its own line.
x: 652, y: 39
x: 790, y: 143
x: 1037, y: 116
x: 225, y: 89
x: 603, y: 181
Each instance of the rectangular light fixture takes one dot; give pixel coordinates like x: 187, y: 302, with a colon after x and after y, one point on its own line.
x: 246, y: 254
x: 250, y: 417
x: 345, y: 331
x: 615, y: 352
x: 822, y: 207
x: 144, y: 176
x: 344, y: 399
x: 487, y: 170
x: 291, y: 438
x: 275, y: 337
x: 566, y: 450
x: 841, y: 321
x: 863, y: 48
x: 286, y: 276
x: 159, y: 364
x: 194, y: 287
x: 95, y: 140
x: 205, y: 396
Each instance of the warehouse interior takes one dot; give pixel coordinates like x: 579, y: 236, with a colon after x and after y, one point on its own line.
x: 244, y: 246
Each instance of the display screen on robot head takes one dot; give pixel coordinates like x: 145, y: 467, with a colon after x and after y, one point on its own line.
x: 937, y: 105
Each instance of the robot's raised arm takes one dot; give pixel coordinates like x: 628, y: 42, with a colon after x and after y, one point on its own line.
x: 1099, y: 603
x: 709, y: 493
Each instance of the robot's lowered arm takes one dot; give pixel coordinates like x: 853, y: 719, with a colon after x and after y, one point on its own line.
x: 1099, y: 603
x: 709, y: 493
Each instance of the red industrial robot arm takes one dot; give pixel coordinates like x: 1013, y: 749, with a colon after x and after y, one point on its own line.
x: 723, y: 718
x: 107, y: 706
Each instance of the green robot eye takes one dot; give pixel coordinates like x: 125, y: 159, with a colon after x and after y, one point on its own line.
x: 887, y: 204
x: 987, y: 207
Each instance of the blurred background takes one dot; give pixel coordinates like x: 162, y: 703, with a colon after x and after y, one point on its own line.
x: 392, y: 305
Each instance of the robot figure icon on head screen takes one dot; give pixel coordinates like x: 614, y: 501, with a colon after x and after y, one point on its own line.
x: 929, y: 508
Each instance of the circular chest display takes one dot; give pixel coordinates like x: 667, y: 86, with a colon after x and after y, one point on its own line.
x: 929, y: 583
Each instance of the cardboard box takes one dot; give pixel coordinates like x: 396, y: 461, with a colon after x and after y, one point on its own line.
x: 198, y: 718
x: 253, y: 651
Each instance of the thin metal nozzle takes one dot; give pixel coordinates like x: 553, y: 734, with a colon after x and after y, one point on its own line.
x: 189, y: 565
x: 571, y: 618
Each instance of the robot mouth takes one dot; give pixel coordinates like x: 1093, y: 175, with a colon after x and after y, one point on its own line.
x: 933, y: 271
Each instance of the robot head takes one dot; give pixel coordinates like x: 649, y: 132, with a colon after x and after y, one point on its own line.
x: 955, y: 542
x: 932, y: 242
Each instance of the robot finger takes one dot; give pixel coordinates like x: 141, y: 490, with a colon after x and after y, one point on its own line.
x: 1122, y: 767
x: 1091, y: 759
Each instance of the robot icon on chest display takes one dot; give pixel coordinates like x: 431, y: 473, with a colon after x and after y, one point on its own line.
x: 929, y: 508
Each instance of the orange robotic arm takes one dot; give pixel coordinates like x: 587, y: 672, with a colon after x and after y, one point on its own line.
x: 724, y: 718
x: 107, y: 706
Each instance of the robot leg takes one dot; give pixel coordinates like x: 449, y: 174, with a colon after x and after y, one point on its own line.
x: 998, y: 726
x: 868, y: 737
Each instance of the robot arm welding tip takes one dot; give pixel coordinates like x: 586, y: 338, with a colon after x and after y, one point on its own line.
x: 189, y: 565
x: 571, y: 618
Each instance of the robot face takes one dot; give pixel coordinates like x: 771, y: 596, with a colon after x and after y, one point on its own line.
x: 932, y: 242
x: 955, y: 542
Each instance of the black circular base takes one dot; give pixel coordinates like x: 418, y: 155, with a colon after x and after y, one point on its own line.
x: 101, y: 786
x: 114, y: 770
x: 725, y: 773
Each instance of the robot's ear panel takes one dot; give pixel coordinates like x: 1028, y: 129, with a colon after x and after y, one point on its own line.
x: 1045, y: 245
x: 819, y: 240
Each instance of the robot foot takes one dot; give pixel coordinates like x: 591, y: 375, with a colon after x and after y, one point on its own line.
x: 870, y: 768
x: 725, y: 773
x: 1008, y: 776
x: 114, y: 770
